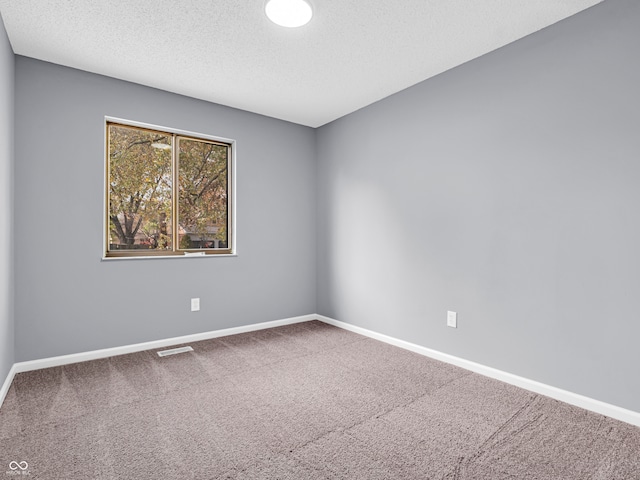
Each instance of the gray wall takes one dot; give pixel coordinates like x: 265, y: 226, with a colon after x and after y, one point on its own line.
x: 67, y: 300
x: 507, y: 190
x: 6, y: 186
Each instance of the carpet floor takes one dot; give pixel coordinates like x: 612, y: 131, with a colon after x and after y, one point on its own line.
x: 304, y: 401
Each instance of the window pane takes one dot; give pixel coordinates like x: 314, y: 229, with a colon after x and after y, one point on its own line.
x: 140, y: 182
x: 202, y: 194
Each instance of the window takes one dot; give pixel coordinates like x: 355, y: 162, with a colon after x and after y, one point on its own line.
x: 167, y: 193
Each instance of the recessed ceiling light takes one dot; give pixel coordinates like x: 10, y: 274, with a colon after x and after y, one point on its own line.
x: 289, y: 13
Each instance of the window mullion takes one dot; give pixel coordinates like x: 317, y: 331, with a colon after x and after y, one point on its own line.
x: 174, y: 193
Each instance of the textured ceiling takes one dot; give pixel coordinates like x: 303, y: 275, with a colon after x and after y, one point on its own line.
x: 350, y: 55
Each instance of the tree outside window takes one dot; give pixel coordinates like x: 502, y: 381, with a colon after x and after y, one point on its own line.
x: 167, y: 194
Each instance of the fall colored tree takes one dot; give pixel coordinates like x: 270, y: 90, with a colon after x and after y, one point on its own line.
x: 202, y: 188
x: 141, y: 189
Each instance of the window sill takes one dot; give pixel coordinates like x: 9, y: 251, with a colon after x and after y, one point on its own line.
x: 156, y: 257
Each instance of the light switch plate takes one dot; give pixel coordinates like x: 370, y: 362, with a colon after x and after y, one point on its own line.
x: 452, y: 319
x: 195, y: 304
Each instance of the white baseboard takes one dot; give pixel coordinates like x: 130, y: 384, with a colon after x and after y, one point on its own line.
x: 138, y: 347
x: 7, y: 383
x: 613, y: 411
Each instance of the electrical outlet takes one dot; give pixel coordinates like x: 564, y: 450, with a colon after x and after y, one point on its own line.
x: 452, y: 319
x: 195, y: 304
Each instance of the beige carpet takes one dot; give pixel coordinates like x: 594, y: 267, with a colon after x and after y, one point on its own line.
x: 306, y: 401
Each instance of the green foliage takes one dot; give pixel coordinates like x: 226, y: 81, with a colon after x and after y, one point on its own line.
x: 185, y: 242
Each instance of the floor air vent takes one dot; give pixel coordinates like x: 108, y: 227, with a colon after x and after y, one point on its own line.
x: 173, y: 351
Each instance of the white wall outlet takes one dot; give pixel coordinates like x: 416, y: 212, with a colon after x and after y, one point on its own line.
x: 452, y: 319
x: 195, y: 304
